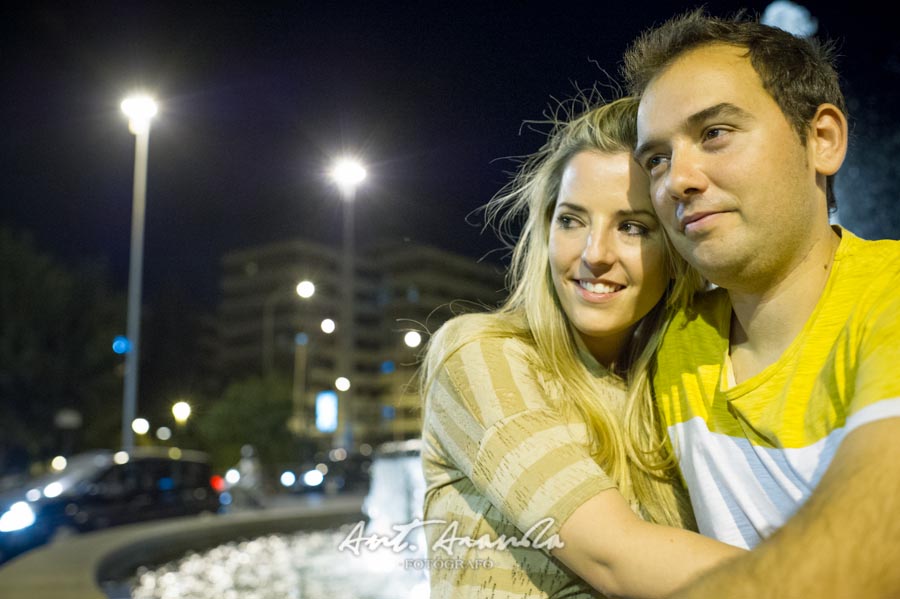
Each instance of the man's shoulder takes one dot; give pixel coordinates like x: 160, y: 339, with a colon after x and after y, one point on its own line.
x: 708, y: 309
x: 867, y: 271
x: 875, y: 256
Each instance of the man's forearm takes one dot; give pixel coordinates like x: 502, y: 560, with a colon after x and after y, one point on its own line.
x: 844, y: 542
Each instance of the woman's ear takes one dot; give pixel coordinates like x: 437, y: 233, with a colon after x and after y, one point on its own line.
x: 828, y: 139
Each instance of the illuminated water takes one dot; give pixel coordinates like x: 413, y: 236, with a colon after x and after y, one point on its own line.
x: 310, y: 565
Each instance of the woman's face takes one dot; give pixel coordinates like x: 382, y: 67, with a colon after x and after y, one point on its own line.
x: 607, y: 253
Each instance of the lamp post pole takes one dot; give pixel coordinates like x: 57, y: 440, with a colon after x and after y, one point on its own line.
x: 139, y: 110
x: 305, y: 290
x: 348, y: 174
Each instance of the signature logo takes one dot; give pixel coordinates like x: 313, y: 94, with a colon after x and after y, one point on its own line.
x: 536, y: 537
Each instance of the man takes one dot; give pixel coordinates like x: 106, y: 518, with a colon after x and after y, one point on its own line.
x: 780, y: 389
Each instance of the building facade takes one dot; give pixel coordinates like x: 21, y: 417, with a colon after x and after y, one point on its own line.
x: 264, y: 327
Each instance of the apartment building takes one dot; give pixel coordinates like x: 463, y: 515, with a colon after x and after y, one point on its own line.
x: 264, y: 326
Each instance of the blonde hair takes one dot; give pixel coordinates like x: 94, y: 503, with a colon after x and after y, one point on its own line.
x: 629, y: 447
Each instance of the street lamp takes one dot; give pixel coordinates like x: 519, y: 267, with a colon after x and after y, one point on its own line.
x: 301, y: 359
x: 305, y: 290
x: 412, y: 339
x: 140, y: 110
x: 347, y: 173
x: 181, y: 411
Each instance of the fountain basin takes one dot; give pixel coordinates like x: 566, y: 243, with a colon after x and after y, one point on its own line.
x: 75, y: 567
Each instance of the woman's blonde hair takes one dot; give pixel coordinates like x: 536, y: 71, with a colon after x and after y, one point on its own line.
x: 629, y: 447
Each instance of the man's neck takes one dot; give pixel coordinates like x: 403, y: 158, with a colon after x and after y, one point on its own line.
x: 766, y: 320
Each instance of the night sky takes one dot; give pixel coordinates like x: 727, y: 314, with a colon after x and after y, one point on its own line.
x: 257, y: 98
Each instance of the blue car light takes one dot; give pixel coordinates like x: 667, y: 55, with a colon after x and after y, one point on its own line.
x: 18, y: 516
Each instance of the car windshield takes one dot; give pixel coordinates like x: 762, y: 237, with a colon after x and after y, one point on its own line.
x: 78, y: 468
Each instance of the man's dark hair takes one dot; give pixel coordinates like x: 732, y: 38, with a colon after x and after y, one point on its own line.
x: 798, y: 73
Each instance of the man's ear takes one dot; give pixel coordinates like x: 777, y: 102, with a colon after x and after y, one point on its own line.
x: 828, y: 139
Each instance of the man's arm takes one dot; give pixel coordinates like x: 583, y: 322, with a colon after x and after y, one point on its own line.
x: 844, y: 542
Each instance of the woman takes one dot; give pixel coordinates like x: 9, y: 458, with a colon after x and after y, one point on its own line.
x: 530, y: 430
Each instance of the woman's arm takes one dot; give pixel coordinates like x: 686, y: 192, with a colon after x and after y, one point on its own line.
x: 621, y: 555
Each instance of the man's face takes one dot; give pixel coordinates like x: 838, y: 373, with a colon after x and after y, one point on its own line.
x: 730, y: 180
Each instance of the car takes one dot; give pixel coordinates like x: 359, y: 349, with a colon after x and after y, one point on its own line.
x: 99, y: 489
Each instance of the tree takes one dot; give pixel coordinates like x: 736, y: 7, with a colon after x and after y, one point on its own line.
x: 255, y: 411
x: 56, y: 327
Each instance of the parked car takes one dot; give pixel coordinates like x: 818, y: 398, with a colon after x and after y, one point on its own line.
x: 100, y: 489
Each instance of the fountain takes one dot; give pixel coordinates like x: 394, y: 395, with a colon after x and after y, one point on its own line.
x: 373, y: 560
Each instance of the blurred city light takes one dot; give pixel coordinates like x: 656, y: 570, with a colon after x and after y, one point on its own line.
x: 328, y: 326
x: 342, y: 383
x: 412, y: 339
x: 348, y: 173
x: 388, y: 366
x: 313, y: 478
x: 365, y: 449
x: 326, y: 411
x: 337, y: 455
x: 182, y: 411
x: 322, y: 468
x: 288, y: 478
x: 58, y: 463
x: 306, y: 289
x: 164, y: 433
x: 140, y: 426
x: 301, y: 339
x: 120, y: 344
x: 121, y: 457
x: 18, y: 516
x: 175, y: 453
x: 790, y: 17
x: 217, y: 483
x: 233, y: 476
x: 52, y: 490
x: 139, y: 109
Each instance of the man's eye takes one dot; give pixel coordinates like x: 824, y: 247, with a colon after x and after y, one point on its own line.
x: 714, y: 133
x: 654, y: 162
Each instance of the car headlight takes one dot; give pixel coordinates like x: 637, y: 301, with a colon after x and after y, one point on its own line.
x: 18, y: 516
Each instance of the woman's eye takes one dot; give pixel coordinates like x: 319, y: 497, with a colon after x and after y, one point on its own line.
x: 636, y: 229
x: 566, y: 222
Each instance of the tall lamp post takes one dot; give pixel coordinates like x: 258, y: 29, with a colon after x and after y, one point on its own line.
x: 305, y: 289
x: 347, y: 174
x: 140, y: 110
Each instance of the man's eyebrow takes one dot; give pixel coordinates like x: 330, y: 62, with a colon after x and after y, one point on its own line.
x: 723, y: 109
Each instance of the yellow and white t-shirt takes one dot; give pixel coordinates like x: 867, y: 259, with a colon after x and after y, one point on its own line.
x: 752, y: 453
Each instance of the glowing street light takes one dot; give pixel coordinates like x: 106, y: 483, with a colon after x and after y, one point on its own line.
x: 412, y: 339
x: 305, y: 290
x: 328, y: 326
x: 140, y: 426
x: 181, y: 411
x: 140, y: 110
x: 347, y: 173
x: 342, y: 383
